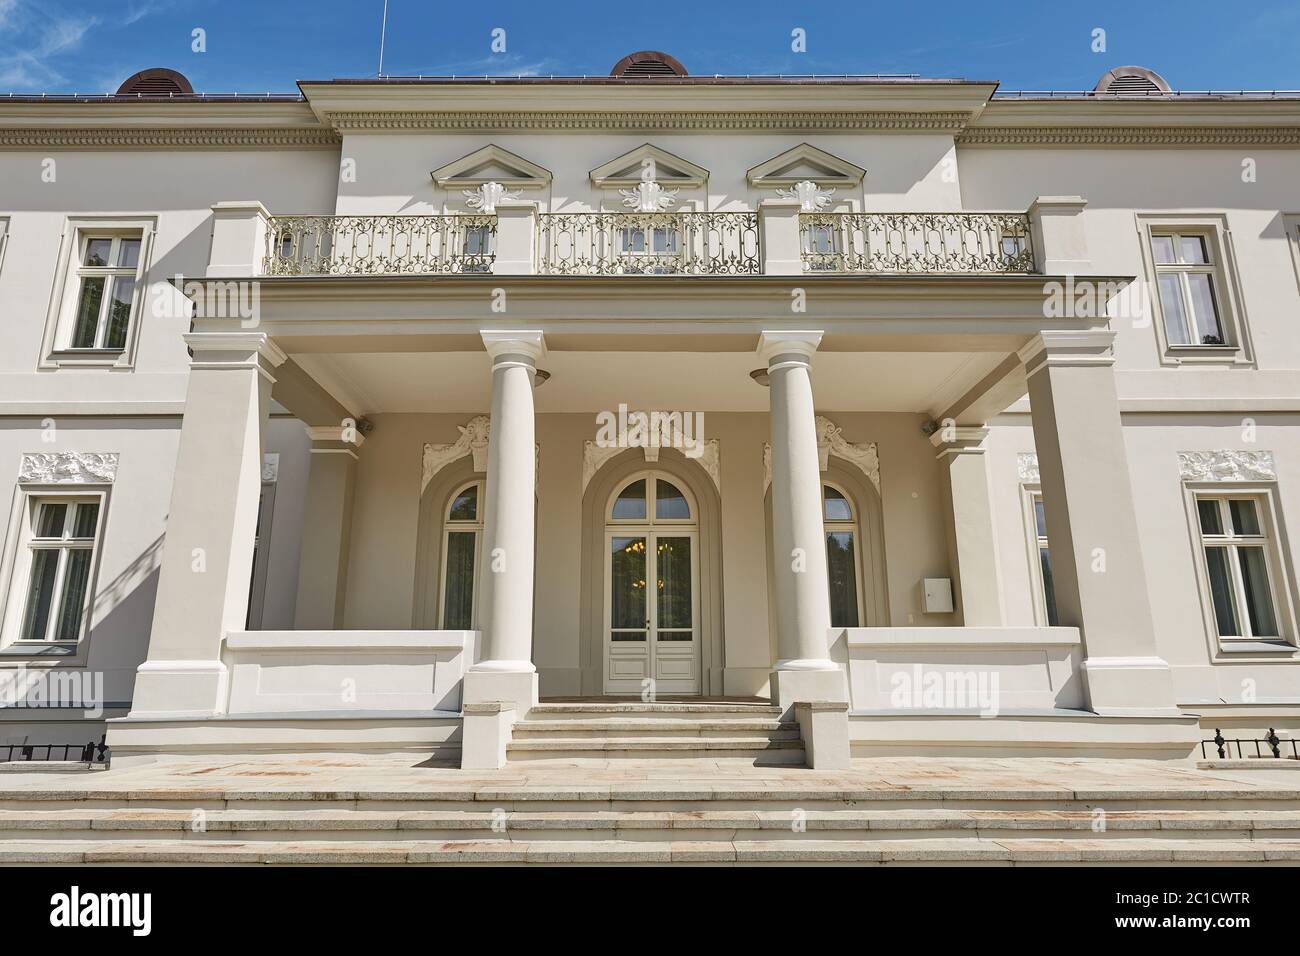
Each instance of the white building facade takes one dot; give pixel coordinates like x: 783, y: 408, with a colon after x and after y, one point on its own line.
x: 364, y: 419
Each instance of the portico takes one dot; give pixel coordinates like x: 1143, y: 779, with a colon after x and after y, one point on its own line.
x: 466, y: 546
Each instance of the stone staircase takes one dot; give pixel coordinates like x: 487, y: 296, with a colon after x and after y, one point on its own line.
x: 650, y: 731
x: 752, y: 816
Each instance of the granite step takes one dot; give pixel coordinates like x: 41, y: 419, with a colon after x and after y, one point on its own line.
x: 624, y: 727
x: 686, y: 710
x: 787, y: 749
x: 809, y: 851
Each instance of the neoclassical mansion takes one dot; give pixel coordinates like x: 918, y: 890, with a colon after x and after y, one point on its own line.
x: 366, y: 418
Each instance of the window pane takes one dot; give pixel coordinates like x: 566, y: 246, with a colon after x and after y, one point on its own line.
x: 669, y: 501
x: 465, y: 507
x: 633, y: 240
x: 1225, y: 614
x: 128, y: 253
x: 72, y: 605
x: 1204, y: 309
x: 1040, y: 518
x: 1162, y: 248
x: 627, y: 584
x: 1171, y: 304
x: 458, y: 603
x: 631, y: 501
x: 119, y: 312
x: 50, y: 519
x: 1211, y: 517
x: 92, y: 297
x: 1049, y: 587
x: 673, y: 579
x: 821, y: 240
x: 97, y: 252
x: 40, y: 594
x: 837, y: 507
x: 83, y: 524
x: 1259, y: 599
x: 1245, y: 518
x: 1193, y: 249
x: 842, y: 569
x: 666, y: 241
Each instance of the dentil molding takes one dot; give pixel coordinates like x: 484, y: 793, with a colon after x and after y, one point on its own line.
x: 1130, y: 136
x: 123, y: 137
x: 68, y: 468
x: 703, y: 121
x: 1226, y: 465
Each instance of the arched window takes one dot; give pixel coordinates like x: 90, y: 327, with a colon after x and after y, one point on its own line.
x: 842, y: 558
x: 461, y: 547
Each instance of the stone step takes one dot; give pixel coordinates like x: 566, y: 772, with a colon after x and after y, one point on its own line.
x: 808, y: 851
x: 493, y: 825
x: 622, y: 727
x: 788, y: 750
x: 659, y: 709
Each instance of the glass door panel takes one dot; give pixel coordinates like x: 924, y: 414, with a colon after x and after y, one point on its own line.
x: 629, y: 617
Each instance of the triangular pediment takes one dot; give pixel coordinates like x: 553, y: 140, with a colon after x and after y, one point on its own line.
x: 492, y: 164
x: 626, y: 170
x: 805, y: 162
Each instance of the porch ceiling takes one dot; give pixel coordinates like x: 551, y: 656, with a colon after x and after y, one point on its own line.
x: 896, y: 381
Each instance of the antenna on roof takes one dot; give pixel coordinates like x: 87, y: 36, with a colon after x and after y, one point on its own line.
x: 383, y: 31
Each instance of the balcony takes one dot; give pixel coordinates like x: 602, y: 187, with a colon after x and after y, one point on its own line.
x: 780, y: 238
x: 963, y: 243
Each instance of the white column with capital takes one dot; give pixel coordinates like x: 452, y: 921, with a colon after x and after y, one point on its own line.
x: 505, y: 670
x: 804, y: 670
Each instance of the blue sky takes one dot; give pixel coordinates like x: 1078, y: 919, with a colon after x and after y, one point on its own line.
x: 265, y: 45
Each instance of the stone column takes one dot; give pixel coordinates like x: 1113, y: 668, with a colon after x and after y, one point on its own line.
x: 326, y: 531
x: 972, y: 545
x: 1099, y: 577
x: 804, y: 670
x: 505, y: 670
x: 207, y: 555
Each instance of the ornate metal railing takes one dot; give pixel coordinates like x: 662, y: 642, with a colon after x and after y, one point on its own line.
x: 654, y: 243
x: 1224, y: 746
x: 909, y: 242
x: 89, y: 753
x: 379, y: 245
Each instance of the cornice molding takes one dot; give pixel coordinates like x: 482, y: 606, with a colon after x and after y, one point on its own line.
x: 1129, y: 136
x: 168, y: 137
x: 381, y: 121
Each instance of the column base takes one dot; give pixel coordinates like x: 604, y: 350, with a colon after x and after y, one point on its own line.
x: 1129, y: 685
x: 791, y: 685
x: 490, y: 682
x: 180, y: 689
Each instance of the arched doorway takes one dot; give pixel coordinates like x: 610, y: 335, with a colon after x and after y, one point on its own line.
x: 651, y: 587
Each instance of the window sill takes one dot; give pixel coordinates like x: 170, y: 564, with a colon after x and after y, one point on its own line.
x: 40, y: 649
x: 1278, y: 646
x: 87, y: 358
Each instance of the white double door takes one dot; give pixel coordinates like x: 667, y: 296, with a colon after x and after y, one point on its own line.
x: 652, y: 643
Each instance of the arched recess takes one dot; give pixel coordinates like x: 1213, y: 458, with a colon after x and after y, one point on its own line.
x: 696, y: 481
x: 428, y: 540
x: 869, y: 516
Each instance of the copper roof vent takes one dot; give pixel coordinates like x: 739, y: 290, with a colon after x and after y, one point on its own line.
x: 1132, y: 81
x: 157, y: 81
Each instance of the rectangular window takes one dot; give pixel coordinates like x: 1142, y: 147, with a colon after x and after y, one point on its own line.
x: 107, y: 272
x: 1046, y: 595
x: 1240, y: 562
x: 60, y: 551
x: 650, y: 249
x: 1189, y: 288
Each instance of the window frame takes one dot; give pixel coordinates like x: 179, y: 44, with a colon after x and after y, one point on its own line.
x: 4, y: 240
x: 20, y: 565
x: 57, y: 351
x: 1224, y: 274
x: 1271, y: 539
x: 853, y: 525
x: 1031, y: 493
x: 450, y: 527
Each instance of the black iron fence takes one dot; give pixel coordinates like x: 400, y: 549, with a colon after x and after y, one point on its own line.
x: 1250, y: 747
x: 90, y: 753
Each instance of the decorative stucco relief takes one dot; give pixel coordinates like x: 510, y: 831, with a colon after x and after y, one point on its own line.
x: 270, y: 467
x: 1226, y: 465
x: 831, y: 441
x: 595, y: 455
x: 68, y: 468
x: 811, y: 197
x: 473, y: 441
x: 1027, y: 467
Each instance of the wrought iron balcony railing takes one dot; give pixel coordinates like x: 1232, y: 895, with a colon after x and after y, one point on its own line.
x: 654, y: 243
x: 941, y: 242
x: 379, y: 245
